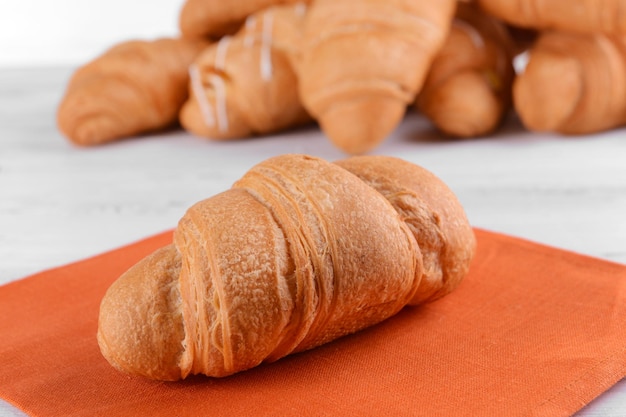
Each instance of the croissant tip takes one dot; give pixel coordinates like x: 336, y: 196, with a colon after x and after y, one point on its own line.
x: 91, y: 131
x: 358, y: 126
x: 85, y: 125
x: 547, y: 92
x: 142, y: 305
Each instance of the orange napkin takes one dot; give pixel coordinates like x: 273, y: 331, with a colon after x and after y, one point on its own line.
x: 532, y: 331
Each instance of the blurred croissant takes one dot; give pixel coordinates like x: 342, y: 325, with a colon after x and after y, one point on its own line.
x: 216, y: 18
x: 573, y: 83
x: 580, y: 16
x: 468, y: 88
x: 134, y: 87
x: 363, y: 62
x: 245, y: 85
x: 299, y: 252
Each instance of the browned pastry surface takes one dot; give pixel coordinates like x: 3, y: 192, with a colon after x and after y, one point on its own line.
x: 299, y: 252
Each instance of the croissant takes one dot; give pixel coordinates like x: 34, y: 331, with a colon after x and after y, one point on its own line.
x: 468, y: 88
x: 245, y: 84
x: 573, y: 83
x: 299, y: 252
x: 216, y: 18
x: 582, y: 16
x: 134, y: 87
x: 363, y: 62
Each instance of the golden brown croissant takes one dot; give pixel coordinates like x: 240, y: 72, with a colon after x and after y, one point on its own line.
x: 133, y: 88
x: 468, y: 88
x: 299, y: 252
x: 582, y: 16
x: 216, y: 18
x: 363, y: 62
x: 245, y: 84
x: 573, y: 83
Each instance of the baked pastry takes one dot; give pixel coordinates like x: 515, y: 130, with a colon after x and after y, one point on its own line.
x: 577, y: 16
x: 134, y: 87
x: 245, y: 85
x: 299, y: 252
x: 362, y: 63
x: 213, y: 19
x: 573, y: 83
x: 468, y: 88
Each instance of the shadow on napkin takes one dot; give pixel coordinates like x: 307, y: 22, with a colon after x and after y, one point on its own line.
x: 531, y: 331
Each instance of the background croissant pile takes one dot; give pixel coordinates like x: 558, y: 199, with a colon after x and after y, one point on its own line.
x: 251, y: 67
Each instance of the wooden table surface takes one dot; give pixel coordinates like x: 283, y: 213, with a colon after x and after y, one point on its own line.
x: 60, y: 203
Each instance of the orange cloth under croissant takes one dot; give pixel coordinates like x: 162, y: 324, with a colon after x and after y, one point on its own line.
x: 532, y: 331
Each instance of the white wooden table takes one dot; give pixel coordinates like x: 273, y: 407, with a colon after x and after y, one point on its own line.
x: 60, y: 203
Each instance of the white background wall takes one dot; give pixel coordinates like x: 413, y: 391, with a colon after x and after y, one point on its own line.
x: 69, y: 32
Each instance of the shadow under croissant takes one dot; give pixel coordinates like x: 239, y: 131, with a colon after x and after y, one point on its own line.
x: 421, y: 130
x: 161, y: 133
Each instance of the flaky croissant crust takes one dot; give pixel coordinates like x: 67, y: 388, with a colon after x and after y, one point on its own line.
x: 299, y: 252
